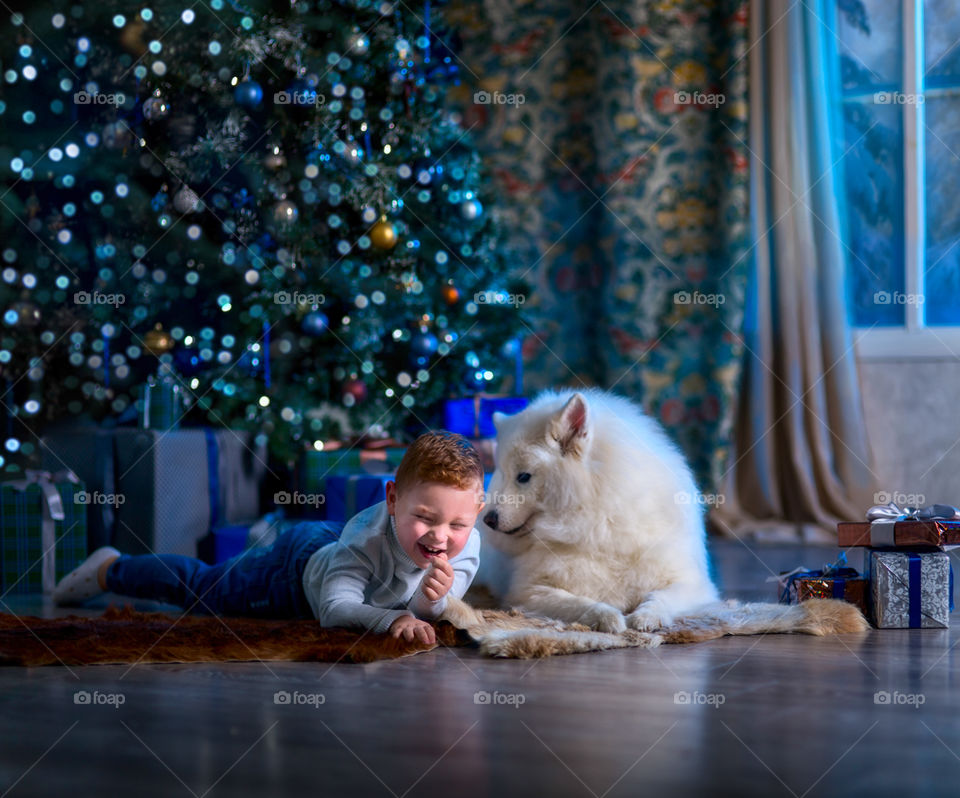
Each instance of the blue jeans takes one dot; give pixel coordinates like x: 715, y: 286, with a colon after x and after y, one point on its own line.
x: 258, y: 583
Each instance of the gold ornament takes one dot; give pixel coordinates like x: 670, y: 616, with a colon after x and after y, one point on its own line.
x: 450, y: 294
x: 158, y: 341
x: 131, y: 37
x: 384, y: 234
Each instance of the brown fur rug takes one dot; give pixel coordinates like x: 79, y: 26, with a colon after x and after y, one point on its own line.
x: 123, y: 635
x: 511, y: 634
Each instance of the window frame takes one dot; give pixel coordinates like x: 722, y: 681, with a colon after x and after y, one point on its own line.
x: 914, y: 339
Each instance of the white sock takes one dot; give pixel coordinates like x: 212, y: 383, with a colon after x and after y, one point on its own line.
x: 81, y: 583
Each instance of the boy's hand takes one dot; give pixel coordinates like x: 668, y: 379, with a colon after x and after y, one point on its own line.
x: 438, y: 580
x: 411, y: 629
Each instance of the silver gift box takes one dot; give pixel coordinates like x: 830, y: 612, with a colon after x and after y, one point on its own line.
x: 890, y: 589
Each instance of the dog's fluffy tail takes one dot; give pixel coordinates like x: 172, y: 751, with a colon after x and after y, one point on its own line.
x: 812, y: 617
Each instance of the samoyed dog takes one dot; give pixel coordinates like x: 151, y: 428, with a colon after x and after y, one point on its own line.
x: 597, y: 512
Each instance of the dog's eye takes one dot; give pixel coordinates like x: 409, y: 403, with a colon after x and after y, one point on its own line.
x: 522, y: 477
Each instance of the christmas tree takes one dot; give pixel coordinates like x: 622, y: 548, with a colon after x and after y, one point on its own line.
x: 269, y: 205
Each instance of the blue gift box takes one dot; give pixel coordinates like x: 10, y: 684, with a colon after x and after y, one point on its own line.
x: 223, y: 543
x: 473, y: 416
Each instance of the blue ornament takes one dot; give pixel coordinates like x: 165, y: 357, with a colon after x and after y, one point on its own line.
x: 424, y: 344
x: 159, y: 201
x: 315, y: 323
x: 471, y: 209
x: 248, y: 94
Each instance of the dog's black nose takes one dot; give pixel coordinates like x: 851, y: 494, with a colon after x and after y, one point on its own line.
x: 491, y: 520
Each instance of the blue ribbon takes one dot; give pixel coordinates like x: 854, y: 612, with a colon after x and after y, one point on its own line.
x: 213, y: 476
x: 839, y: 587
x: 914, y: 589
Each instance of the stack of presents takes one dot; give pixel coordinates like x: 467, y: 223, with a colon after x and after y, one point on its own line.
x: 907, y: 579
x: 191, y: 491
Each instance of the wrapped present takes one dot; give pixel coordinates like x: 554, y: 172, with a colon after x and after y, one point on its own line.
x: 472, y: 416
x: 43, y: 530
x: 160, y: 404
x: 223, y: 543
x: 911, y: 589
x: 87, y: 451
x: 178, y: 485
x: 836, y: 581
x: 315, y: 466
x: 889, y: 525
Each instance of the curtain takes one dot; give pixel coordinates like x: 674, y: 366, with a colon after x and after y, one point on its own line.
x: 617, y: 134
x: 801, y: 460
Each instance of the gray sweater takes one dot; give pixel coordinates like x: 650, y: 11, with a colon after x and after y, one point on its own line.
x: 366, y: 579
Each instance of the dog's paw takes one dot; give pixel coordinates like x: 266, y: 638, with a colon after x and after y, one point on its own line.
x: 649, y: 616
x: 604, y: 618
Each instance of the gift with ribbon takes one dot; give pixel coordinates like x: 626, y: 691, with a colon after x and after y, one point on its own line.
x: 473, y: 416
x: 837, y: 581
x: 911, y: 589
x: 892, y: 526
x: 43, y: 530
x: 316, y: 467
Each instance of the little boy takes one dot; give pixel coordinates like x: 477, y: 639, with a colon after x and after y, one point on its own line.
x: 390, y: 568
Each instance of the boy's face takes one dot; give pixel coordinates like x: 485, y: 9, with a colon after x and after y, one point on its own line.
x: 433, y: 520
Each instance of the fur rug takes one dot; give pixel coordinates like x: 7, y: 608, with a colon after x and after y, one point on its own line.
x: 123, y: 635
x: 511, y: 634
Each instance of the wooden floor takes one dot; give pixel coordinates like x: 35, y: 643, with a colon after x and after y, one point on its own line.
x: 775, y: 715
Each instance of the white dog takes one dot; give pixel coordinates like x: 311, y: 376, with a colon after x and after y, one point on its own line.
x: 598, y: 511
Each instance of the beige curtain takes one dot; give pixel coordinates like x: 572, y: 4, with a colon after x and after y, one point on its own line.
x: 801, y: 459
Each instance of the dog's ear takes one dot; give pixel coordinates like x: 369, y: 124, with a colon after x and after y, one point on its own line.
x: 497, y: 418
x: 569, y: 427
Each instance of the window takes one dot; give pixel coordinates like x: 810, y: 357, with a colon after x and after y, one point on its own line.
x: 898, y: 106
